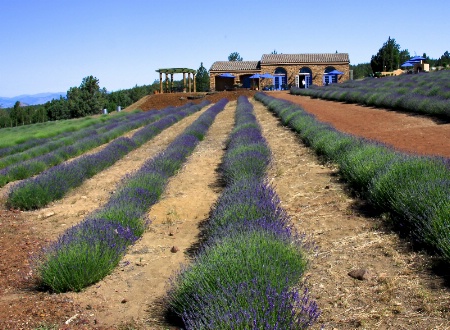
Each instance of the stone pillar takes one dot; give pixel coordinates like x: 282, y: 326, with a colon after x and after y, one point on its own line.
x: 184, y: 82
x: 167, y: 82
x: 189, y: 75
x: 160, y: 83
x: 171, y: 82
x: 212, y: 82
x: 195, y: 88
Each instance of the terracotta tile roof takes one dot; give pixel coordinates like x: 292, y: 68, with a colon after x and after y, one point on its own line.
x: 235, y: 66
x: 304, y: 58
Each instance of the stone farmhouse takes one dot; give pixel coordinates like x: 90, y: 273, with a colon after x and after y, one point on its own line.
x: 280, y: 71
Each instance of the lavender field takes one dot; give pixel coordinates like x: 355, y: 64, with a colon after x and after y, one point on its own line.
x: 251, y: 263
x: 423, y: 93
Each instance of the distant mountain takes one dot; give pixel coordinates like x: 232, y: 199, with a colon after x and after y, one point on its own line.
x: 41, y: 98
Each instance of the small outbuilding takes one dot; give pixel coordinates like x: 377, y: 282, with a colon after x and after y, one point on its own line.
x: 281, y: 71
x: 167, y: 86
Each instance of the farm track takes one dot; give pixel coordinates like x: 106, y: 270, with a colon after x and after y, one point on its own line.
x: 96, y: 191
x: 142, y: 278
x: 400, y: 293
x: 42, y: 226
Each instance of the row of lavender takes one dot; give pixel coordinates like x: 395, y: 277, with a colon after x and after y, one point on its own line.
x: 31, y: 140
x: 54, y: 183
x: 90, y: 250
x: 415, y: 190
x: 245, y: 274
x: 37, y: 159
x: 418, y: 93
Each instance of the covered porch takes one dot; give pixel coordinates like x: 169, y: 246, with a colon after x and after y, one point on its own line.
x: 167, y: 86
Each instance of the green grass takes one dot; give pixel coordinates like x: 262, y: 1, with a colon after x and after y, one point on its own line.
x: 15, y: 135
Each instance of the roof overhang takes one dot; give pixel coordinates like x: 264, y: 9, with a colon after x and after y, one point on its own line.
x: 176, y: 70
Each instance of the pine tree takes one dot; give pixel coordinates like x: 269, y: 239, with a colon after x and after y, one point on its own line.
x: 202, y: 79
x: 389, y: 57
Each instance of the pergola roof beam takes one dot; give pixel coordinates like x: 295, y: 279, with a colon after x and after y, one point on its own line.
x: 176, y: 70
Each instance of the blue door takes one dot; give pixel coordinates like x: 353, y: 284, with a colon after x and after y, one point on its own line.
x: 279, y: 82
x: 327, y: 79
x: 308, y: 81
x: 246, y: 82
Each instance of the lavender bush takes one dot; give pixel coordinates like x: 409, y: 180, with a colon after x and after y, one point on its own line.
x: 237, y: 261
x: 37, y: 147
x: 414, y: 189
x: 54, y: 183
x: 38, y: 159
x: 82, y: 257
x: 245, y: 272
x: 246, y: 200
x: 18, y: 139
x: 233, y: 309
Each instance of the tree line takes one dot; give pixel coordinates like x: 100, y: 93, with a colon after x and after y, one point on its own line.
x: 390, y: 57
x: 87, y: 99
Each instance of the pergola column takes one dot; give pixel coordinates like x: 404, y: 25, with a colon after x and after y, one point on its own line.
x: 168, y: 87
x: 189, y: 75
x: 167, y: 82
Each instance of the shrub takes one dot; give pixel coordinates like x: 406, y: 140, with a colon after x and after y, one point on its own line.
x: 234, y: 261
x: 89, y: 251
x: 251, y: 258
x: 83, y: 255
x: 413, y: 189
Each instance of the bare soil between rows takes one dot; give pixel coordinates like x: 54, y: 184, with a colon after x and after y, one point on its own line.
x: 401, y: 290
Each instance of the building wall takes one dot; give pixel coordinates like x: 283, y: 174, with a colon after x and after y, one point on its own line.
x: 317, y: 71
x: 220, y: 85
x: 291, y: 70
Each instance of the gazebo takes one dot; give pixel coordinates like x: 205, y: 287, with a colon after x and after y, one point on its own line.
x: 172, y: 71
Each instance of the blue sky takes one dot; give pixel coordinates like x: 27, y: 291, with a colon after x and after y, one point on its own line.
x: 51, y: 45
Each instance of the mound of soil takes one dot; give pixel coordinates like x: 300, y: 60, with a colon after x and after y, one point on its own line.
x: 160, y: 101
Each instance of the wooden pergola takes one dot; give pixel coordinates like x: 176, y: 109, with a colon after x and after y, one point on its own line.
x: 172, y: 71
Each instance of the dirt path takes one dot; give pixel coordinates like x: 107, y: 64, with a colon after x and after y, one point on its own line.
x: 407, y: 132
x: 24, y: 233
x: 95, y: 192
x: 132, y: 294
x: 400, y: 291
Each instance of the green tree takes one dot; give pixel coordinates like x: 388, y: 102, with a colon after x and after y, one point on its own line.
x: 234, y: 57
x: 444, y: 60
x: 39, y: 115
x: 202, y: 79
x: 17, y: 114
x: 88, y: 99
x: 404, y: 56
x: 361, y: 70
x: 57, y: 109
x: 388, y: 57
x: 5, y: 120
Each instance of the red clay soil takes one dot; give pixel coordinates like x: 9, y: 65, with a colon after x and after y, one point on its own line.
x: 410, y: 133
x: 160, y: 101
x: 407, y: 132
